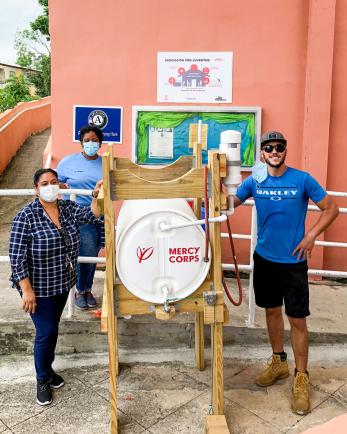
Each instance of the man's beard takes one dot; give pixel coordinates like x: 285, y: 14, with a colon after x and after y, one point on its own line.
x: 275, y: 166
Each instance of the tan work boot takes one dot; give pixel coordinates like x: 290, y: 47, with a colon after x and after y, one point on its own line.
x: 301, y: 399
x: 274, y: 372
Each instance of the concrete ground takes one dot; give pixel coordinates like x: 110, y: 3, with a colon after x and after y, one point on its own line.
x: 160, y: 392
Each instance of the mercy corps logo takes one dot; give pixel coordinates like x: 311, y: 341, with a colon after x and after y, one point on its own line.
x: 276, y: 194
x: 176, y: 254
x: 144, y: 253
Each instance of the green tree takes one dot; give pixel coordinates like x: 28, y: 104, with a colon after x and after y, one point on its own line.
x: 33, y: 51
x: 16, y: 90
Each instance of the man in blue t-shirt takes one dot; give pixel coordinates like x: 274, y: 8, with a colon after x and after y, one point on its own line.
x: 281, y: 196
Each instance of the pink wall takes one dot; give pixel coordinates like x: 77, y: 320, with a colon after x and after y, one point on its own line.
x: 276, y: 66
x: 19, y: 123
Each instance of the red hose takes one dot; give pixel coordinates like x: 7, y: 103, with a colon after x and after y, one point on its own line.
x: 207, y: 227
x: 238, y: 303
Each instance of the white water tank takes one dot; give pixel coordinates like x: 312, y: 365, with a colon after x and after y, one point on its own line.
x: 157, y: 265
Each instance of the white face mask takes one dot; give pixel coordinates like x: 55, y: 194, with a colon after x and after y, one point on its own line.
x: 49, y: 193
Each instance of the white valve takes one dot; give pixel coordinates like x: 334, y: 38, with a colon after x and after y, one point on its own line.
x: 230, y: 145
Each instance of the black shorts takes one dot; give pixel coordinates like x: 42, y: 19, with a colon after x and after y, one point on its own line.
x: 274, y: 282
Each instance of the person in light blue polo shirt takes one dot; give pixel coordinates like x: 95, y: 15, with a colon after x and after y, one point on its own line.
x: 83, y: 170
x: 281, y: 196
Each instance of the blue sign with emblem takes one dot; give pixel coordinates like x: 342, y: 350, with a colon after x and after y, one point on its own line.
x: 108, y: 119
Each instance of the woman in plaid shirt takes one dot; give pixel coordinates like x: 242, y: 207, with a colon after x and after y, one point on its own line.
x: 44, y: 243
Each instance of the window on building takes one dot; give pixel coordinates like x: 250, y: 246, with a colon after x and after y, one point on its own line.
x: 2, y: 76
x: 12, y: 73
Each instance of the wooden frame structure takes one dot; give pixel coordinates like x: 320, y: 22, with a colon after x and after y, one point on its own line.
x: 125, y: 180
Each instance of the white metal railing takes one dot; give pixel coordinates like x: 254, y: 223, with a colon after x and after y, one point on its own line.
x: 248, y: 268
x: 253, y: 237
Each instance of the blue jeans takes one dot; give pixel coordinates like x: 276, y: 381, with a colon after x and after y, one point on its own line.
x: 90, y: 246
x: 46, y: 320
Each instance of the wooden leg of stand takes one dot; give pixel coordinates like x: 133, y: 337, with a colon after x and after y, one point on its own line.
x: 218, y: 376
x: 107, y: 165
x: 113, y: 367
x: 216, y: 425
x: 199, y: 341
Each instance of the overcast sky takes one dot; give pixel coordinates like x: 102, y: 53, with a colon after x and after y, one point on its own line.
x: 14, y: 15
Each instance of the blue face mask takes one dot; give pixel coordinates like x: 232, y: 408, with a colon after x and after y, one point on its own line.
x: 91, y: 148
x: 259, y: 171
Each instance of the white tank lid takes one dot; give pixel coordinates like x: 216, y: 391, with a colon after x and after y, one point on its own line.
x: 230, y: 136
x: 153, y: 264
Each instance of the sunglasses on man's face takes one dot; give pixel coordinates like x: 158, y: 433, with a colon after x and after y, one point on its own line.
x: 280, y: 147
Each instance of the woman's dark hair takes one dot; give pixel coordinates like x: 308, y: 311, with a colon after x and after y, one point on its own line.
x: 40, y: 172
x: 89, y: 129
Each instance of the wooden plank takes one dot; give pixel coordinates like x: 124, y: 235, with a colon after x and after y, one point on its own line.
x: 222, y: 165
x: 224, y: 201
x: 161, y: 314
x: 126, y: 185
x: 222, y: 173
x: 194, y: 135
x: 129, y: 304
x: 215, y: 209
x: 100, y: 200
x: 199, y: 341
x: 103, y: 321
x: 218, y: 377
x: 216, y: 425
x: 226, y: 315
x: 199, y: 316
x: 107, y: 162
x: 216, y: 275
x: 214, y: 313
x: 172, y: 171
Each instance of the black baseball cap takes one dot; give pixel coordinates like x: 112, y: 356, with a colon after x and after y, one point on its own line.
x: 271, y: 136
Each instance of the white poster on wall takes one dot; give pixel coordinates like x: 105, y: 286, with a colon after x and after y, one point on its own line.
x: 194, y: 77
x: 160, y: 142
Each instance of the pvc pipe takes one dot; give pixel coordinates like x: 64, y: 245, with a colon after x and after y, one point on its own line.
x: 18, y: 192
x: 199, y: 131
x: 330, y: 244
x: 322, y: 273
x: 91, y: 260
x: 237, y: 236
x: 31, y: 192
x: 317, y: 243
x: 337, y: 193
x: 242, y: 267
x: 164, y: 227
x: 81, y: 260
x: 328, y: 273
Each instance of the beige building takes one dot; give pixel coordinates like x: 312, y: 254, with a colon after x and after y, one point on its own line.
x: 7, y: 70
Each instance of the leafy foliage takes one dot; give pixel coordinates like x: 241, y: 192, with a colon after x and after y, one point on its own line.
x: 33, y: 51
x: 16, y: 90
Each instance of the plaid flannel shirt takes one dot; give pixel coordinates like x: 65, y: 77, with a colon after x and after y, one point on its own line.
x: 42, y: 252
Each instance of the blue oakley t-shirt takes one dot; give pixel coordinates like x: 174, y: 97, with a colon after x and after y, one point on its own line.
x: 281, y: 203
x: 78, y: 172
